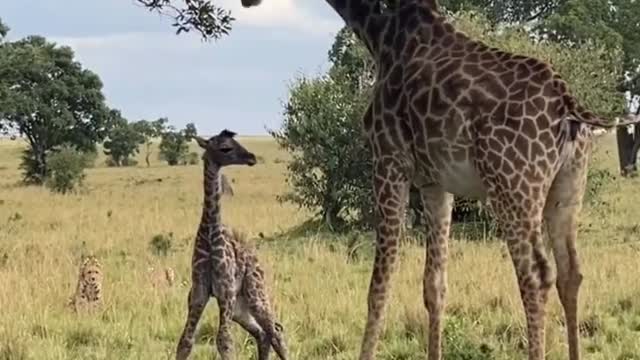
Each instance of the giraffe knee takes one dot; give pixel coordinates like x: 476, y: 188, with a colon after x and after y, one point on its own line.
x: 434, y: 291
x: 543, y: 270
x: 223, y: 341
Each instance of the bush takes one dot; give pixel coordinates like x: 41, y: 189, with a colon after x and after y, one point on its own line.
x: 597, y: 180
x: 174, y: 147
x: 458, y: 347
x: 66, y: 168
x: 329, y: 168
x: 161, y: 244
x: 193, y: 158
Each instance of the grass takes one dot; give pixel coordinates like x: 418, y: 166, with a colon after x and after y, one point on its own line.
x: 319, y: 292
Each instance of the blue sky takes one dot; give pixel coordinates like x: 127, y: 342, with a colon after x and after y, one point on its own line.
x: 238, y: 82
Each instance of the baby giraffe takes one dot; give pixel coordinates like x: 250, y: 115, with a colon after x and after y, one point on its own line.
x: 225, y: 268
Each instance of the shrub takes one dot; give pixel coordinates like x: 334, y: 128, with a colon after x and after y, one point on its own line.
x: 66, y: 167
x: 597, y: 180
x: 458, y: 347
x: 174, y: 147
x: 193, y: 158
x: 161, y: 244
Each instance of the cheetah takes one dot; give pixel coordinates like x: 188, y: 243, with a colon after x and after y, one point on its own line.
x: 88, y: 295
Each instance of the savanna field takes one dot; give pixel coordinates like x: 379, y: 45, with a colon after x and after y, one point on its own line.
x: 319, y: 292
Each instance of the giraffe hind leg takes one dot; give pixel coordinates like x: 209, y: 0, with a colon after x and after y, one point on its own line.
x: 224, y: 341
x: 521, y: 227
x: 273, y: 332
x: 561, y: 219
x: 248, y: 322
x: 437, y: 205
x: 260, y: 309
x: 197, y: 301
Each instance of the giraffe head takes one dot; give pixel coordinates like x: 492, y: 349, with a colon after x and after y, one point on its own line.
x: 250, y: 3
x: 224, y: 150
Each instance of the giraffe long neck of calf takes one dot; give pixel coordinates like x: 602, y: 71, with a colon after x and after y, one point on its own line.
x: 211, y: 220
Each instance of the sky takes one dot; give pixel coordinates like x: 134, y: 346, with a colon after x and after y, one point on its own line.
x: 238, y: 82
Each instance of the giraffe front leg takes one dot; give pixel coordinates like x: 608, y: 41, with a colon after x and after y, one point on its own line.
x: 197, y: 301
x: 390, y: 191
x: 437, y: 206
x: 224, y: 341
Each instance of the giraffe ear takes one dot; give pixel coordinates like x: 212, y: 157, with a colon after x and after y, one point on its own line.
x: 201, y: 142
x: 227, y: 133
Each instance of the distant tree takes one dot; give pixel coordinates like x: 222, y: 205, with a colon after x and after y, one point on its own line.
x: 123, y: 141
x: 211, y: 21
x: 174, y: 146
x: 150, y: 130
x: 190, y: 131
x: 49, y: 98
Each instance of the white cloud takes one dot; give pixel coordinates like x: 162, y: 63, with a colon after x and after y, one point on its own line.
x: 283, y: 14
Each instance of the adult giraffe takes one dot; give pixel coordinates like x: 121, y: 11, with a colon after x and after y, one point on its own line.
x: 455, y: 116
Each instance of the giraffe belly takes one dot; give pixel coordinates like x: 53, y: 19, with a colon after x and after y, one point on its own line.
x: 462, y: 179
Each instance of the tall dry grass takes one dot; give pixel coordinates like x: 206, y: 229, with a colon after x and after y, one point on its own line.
x: 319, y: 293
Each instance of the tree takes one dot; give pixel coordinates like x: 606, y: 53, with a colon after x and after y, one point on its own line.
x: 211, y: 21
x: 330, y: 169
x: 123, y: 141
x: 49, y: 98
x: 190, y: 131
x: 174, y: 145
x: 506, y: 11
x: 149, y: 131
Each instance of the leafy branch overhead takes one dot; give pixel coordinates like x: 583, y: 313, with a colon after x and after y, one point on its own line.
x: 211, y: 21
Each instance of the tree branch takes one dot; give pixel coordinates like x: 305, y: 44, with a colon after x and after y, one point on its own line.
x: 211, y: 21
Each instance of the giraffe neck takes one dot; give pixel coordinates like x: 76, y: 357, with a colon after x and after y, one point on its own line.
x: 370, y: 21
x: 365, y: 18
x: 211, y: 220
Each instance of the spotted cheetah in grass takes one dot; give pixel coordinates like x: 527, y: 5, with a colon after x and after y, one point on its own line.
x: 88, y: 295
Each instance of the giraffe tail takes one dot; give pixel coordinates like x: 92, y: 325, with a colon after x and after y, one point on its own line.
x: 580, y: 114
x: 577, y: 112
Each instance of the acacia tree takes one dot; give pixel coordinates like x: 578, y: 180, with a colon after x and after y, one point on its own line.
x: 49, y: 98
x: 149, y: 131
x: 123, y: 141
